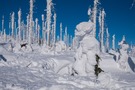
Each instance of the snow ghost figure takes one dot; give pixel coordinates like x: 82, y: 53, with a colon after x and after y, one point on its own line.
x: 85, y: 59
x: 123, y: 54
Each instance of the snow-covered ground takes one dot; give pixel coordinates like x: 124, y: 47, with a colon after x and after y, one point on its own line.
x: 40, y: 71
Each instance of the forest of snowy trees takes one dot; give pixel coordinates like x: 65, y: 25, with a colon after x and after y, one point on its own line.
x: 32, y: 32
x: 44, y: 35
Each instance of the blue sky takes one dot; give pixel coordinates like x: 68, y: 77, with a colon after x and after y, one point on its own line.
x: 120, y: 17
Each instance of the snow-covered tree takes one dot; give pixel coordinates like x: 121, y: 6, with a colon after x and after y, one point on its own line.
x: 19, y: 24
x: 5, y: 36
x: 13, y: 24
x: 68, y: 39
x: 2, y: 24
x: 60, y: 31
x: 23, y: 26
x: 95, y: 16
x: 43, y: 29
x: 45, y: 33
x: 58, y: 38
x: 54, y: 27
x: 27, y: 27
x: 101, y: 33
x: 107, y: 40
x: 52, y: 35
x: 113, y: 42
x: 16, y: 31
x: 36, y: 21
x: 132, y: 53
x: 39, y: 35
x: 48, y: 20
x: 71, y: 41
x: 65, y: 36
x: 89, y: 13
x: 31, y: 21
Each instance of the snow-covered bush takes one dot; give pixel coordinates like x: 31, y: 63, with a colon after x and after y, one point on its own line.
x: 60, y: 46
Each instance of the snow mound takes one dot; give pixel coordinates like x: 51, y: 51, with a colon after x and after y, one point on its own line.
x: 60, y: 46
x: 86, y: 26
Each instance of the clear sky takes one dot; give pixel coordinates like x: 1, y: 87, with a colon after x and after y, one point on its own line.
x: 120, y: 17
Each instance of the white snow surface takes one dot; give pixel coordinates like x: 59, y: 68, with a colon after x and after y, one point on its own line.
x: 38, y: 71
